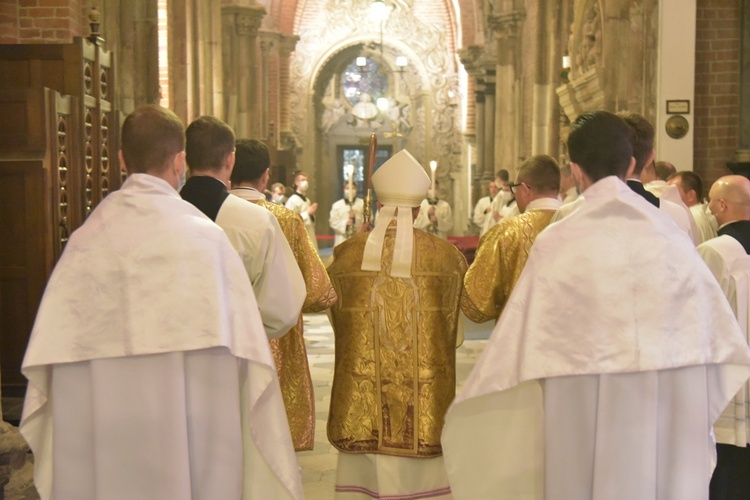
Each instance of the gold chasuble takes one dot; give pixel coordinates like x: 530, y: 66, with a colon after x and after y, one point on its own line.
x: 289, y: 351
x: 395, y: 363
x: 500, y: 258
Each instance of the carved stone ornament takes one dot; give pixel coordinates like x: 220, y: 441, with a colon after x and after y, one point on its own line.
x: 248, y: 21
x: 585, y: 44
x: 506, y: 25
x: 350, y: 19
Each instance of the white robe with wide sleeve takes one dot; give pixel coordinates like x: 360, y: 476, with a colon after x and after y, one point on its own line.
x: 150, y: 374
x: 299, y: 205
x: 269, y: 261
x: 339, y: 216
x: 730, y: 264
x: 481, y: 212
x: 587, y: 388
x: 444, y: 216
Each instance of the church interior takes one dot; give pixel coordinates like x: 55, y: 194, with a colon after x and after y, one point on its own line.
x: 472, y: 85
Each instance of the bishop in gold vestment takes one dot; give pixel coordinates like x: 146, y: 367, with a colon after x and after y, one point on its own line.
x: 396, y: 325
x: 289, y: 351
x: 503, y: 250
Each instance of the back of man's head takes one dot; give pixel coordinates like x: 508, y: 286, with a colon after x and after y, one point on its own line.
x: 209, y: 140
x: 663, y: 169
x: 688, y: 181
x: 542, y: 174
x: 503, y: 175
x: 601, y: 144
x: 151, y: 136
x: 643, y: 139
x: 251, y: 161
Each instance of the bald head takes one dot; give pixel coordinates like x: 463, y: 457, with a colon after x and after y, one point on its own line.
x: 730, y: 199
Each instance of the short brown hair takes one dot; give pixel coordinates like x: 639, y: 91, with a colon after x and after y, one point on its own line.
x: 541, y: 173
x: 151, y: 136
x: 209, y: 140
x: 643, y: 138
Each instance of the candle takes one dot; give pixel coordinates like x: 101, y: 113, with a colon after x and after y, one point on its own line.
x: 350, y: 173
x: 433, y: 167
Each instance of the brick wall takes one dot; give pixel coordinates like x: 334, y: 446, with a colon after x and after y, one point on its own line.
x: 717, y: 85
x: 41, y: 21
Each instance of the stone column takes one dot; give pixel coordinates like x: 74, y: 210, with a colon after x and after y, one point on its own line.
x: 243, y: 66
x: 507, y: 132
x: 490, y: 130
x: 267, y: 44
x: 479, y: 169
x: 286, y: 47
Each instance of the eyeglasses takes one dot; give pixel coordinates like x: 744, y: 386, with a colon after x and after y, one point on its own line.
x: 513, y: 187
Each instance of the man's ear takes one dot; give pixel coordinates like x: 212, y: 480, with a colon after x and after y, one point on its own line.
x: 121, y: 158
x: 631, y: 168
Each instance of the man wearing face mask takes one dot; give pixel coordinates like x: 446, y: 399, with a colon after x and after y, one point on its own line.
x: 435, y: 215
x: 300, y: 203
x: 690, y: 186
x: 346, y: 215
x: 278, y: 193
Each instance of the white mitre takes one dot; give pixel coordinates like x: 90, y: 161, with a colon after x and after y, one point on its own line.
x: 400, y: 184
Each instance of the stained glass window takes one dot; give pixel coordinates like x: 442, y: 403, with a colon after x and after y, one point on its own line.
x: 367, y: 79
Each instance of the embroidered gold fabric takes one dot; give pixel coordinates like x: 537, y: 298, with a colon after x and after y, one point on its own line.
x: 499, y: 260
x: 289, y: 351
x: 394, y: 375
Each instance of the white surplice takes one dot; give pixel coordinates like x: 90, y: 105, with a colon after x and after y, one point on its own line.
x: 587, y: 388
x: 150, y: 374
x: 730, y: 264
x: 705, y: 229
x: 481, y: 212
x: 443, y: 214
x: 269, y: 261
x: 301, y: 206
x: 339, y: 217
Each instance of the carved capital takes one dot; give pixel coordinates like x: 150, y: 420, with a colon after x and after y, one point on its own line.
x: 287, y: 44
x: 267, y: 42
x: 506, y: 25
x: 247, y: 20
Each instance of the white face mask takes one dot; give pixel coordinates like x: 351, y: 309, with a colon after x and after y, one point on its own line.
x: 277, y: 198
x: 302, y: 186
x: 432, y: 194
x: 350, y: 194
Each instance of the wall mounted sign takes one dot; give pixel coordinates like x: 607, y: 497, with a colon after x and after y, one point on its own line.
x: 681, y: 106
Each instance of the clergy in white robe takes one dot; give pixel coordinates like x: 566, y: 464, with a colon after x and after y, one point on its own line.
x: 483, y: 208
x: 346, y: 213
x: 150, y: 375
x: 727, y: 257
x: 690, y: 187
x: 254, y: 232
x: 587, y: 389
x: 300, y: 203
x: 435, y: 216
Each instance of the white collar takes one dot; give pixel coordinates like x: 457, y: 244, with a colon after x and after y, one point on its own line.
x: 247, y: 193
x: 544, y: 204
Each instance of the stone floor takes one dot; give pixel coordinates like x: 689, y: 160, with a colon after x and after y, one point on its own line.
x: 319, y: 465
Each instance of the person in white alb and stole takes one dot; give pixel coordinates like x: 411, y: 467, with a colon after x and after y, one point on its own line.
x: 586, y: 389
x: 300, y: 203
x: 253, y: 231
x: 150, y: 375
x: 397, y: 327
x: 346, y: 215
x: 435, y: 215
